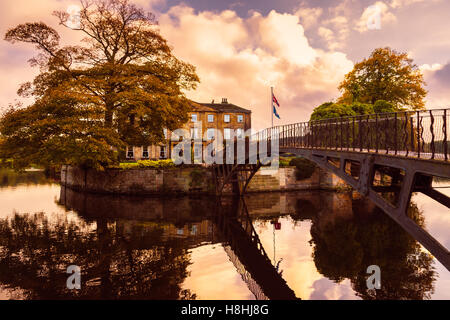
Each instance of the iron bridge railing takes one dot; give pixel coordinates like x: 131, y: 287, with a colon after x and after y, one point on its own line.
x: 416, y: 134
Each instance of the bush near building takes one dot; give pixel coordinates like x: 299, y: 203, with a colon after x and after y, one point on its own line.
x: 304, y: 168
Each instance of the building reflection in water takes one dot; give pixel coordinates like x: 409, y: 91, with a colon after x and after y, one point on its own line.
x: 141, y: 248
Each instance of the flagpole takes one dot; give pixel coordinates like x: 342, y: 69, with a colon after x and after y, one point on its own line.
x: 271, y: 103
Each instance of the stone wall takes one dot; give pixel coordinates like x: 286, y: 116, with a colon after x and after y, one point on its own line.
x: 189, y: 180
x: 284, y: 179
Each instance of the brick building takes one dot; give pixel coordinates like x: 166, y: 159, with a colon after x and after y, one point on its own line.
x: 225, y: 117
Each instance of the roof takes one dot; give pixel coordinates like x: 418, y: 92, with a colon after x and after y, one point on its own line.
x: 201, y: 108
x: 225, y: 107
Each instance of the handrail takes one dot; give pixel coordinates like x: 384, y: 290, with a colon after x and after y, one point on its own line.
x: 418, y: 134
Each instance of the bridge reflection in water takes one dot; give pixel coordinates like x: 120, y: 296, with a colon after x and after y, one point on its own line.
x: 347, y: 234
x: 148, y: 248
x: 226, y: 222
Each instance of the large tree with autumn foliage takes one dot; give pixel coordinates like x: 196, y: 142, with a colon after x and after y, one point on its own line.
x: 120, y: 86
x: 386, y: 75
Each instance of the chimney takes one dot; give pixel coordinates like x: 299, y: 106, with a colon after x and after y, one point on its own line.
x: 224, y: 100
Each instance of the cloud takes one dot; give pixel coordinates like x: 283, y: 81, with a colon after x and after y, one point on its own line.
x: 326, y: 34
x: 308, y: 16
x: 238, y: 58
x: 241, y: 58
x: 340, y: 27
x: 403, y: 3
x: 437, y: 77
x: 374, y: 17
x: 331, y: 26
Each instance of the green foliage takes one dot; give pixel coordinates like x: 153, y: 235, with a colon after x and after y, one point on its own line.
x: 383, y: 106
x: 6, y: 163
x: 331, y: 110
x: 304, y: 168
x: 361, y: 108
x: 285, y: 161
x: 120, y: 86
x: 159, y: 164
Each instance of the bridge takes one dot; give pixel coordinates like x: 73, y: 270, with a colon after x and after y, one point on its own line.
x: 243, y: 246
x: 385, y: 157
x: 232, y: 227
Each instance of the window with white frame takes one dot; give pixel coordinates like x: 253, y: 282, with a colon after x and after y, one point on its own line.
x: 145, y: 153
x: 130, y: 152
x: 226, y: 118
x: 210, y: 118
x: 194, y: 133
x: 198, y: 151
x: 210, y: 133
x: 240, y: 118
x: 194, y: 117
x: 227, y: 133
x: 162, y: 152
x: 239, y: 133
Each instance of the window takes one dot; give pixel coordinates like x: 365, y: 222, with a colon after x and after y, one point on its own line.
x: 239, y: 133
x: 165, y: 133
x: 145, y: 154
x: 226, y: 118
x: 194, y: 133
x: 210, y: 118
x: 194, y: 117
x: 130, y: 152
x: 210, y: 133
x: 227, y: 133
x: 240, y: 118
x: 162, y: 152
x: 197, y: 151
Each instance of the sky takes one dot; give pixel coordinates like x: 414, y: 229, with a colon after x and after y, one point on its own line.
x: 303, y: 48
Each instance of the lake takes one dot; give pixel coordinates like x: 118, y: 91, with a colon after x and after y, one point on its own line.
x: 309, y: 245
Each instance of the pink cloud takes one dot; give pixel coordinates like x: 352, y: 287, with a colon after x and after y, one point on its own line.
x: 241, y: 58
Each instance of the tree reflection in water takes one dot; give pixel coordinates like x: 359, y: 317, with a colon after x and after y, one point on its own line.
x: 344, y: 247
x: 132, y: 264
x: 130, y: 248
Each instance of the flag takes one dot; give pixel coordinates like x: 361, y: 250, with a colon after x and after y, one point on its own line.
x: 275, y: 103
x: 275, y: 112
x: 274, y: 100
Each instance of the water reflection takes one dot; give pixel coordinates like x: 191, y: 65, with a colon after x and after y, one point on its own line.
x: 10, y: 178
x: 274, y: 246
x: 119, y: 260
x: 345, y: 246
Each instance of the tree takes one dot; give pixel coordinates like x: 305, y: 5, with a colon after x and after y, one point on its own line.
x: 123, y: 86
x: 385, y: 75
x: 382, y: 106
x: 329, y: 110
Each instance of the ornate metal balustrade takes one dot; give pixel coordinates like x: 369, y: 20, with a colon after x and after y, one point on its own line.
x: 385, y: 157
x: 415, y: 134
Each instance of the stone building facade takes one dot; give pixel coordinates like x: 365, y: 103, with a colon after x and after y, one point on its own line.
x: 205, y: 121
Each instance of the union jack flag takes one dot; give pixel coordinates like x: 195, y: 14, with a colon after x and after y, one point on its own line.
x: 275, y: 100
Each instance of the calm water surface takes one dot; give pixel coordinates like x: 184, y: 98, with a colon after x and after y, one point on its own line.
x: 312, y: 245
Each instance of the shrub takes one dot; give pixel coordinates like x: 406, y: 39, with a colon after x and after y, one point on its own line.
x: 159, y: 164
x: 304, y: 168
x: 285, y: 161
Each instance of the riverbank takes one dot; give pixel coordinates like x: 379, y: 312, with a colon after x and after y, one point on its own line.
x: 190, y: 180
